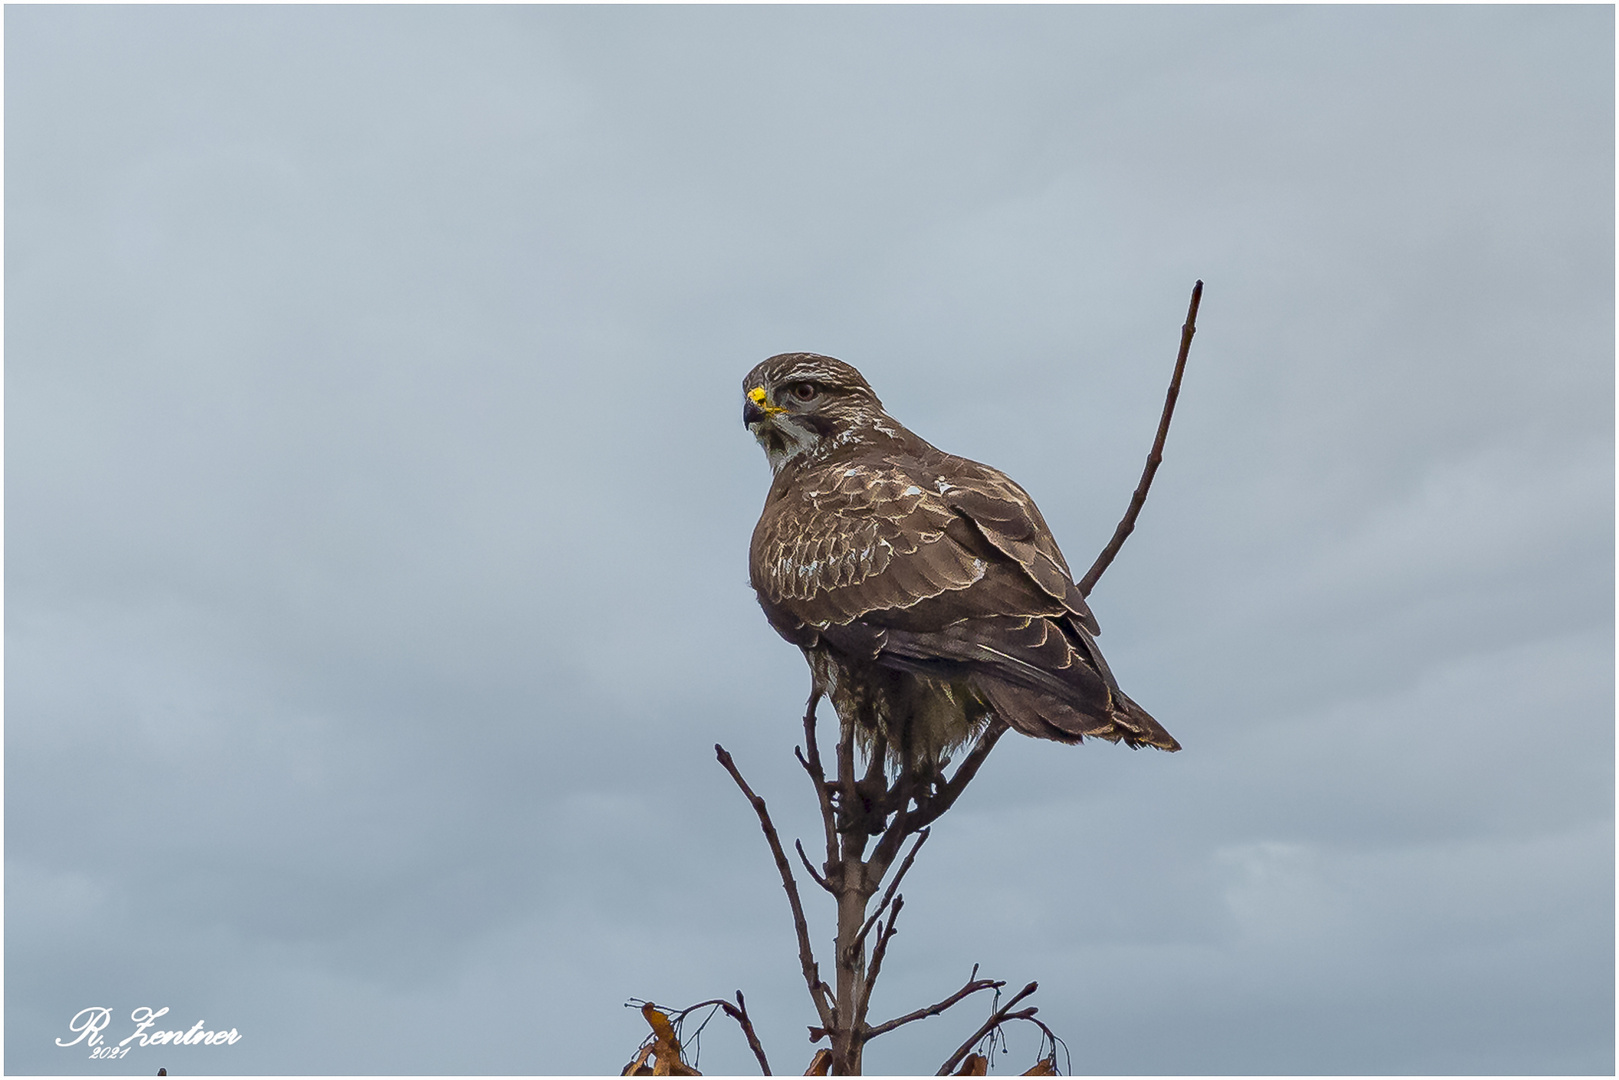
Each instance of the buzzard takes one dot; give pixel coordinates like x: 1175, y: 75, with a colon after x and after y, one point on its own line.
x: 925, y: 589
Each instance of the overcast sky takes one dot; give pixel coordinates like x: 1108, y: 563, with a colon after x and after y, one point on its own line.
x: 377, y: 506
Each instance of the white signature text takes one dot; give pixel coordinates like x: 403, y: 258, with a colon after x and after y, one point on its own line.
x: 87, y: 1026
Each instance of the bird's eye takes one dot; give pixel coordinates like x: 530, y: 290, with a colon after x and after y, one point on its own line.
x: 804, y: 391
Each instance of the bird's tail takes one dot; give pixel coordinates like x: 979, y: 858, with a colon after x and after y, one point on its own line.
x: 1046, y: 716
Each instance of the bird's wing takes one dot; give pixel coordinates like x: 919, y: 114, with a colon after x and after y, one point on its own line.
x: 851, y: 539
x: 952, y: 565
x: 940, y: 566
x: 1008, y: 518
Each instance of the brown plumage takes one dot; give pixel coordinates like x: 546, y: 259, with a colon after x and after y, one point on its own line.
x: 925, y: 589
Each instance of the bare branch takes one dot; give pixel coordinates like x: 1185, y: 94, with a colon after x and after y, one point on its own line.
x: 817, y: 775
x: 741, y: 1017
x: 1137, y: 500
x: 1001, y: 1016
x: 806, y: 955
x: 819, y: 880
x: 974, y: 985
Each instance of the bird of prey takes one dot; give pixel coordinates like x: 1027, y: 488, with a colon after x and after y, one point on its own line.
x: 925, y: 589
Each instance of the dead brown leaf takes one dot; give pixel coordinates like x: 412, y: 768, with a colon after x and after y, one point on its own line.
x: 638, y: 1066
x: 664, y: 1049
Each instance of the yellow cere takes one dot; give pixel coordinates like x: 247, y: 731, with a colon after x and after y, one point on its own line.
x: 757, y: 396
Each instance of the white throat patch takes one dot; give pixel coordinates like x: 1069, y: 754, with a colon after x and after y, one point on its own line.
x: 784, y: 439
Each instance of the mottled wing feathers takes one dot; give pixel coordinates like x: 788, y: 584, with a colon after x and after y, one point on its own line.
x: 943, y: 567
x: 851, y: 539
x: 1011, y: 522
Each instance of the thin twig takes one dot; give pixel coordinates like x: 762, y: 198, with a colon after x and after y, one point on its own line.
x: 1137, y: 500
x: 739, y: 1013
x: 819, y: 880
x: 806, y: 955
x: 974, y: 985
x: 817, y: 775
x: 753, y: 1038
x: 1000, y: 1017
x: 860, y: 938
x: 1052, y: 1035
x: 878, y: 951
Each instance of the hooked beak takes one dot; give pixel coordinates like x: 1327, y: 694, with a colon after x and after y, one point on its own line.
x: 756, y: 408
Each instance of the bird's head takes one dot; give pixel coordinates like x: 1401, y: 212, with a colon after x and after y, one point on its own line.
x: 804, y: 403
